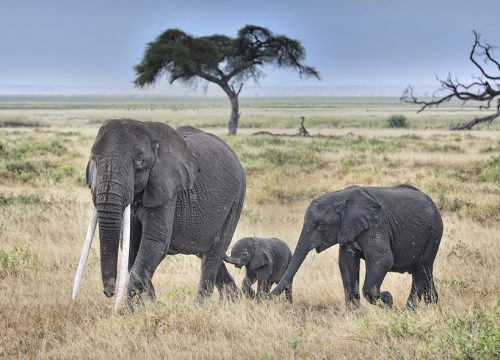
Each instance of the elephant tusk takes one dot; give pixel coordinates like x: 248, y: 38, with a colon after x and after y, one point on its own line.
x: 125, y: 252
x: 85, y: 252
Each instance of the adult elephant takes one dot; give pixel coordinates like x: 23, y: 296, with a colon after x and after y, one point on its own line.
x: 185, y: 188
x: 394, y: 229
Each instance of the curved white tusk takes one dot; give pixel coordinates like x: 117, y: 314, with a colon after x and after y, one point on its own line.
x: 85, y: 252
x: 125, y: 252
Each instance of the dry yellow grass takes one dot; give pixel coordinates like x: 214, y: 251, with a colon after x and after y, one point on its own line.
x: 43, y: 221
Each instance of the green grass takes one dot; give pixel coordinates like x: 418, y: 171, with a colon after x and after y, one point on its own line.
x: 44, y: 208
x: 283, y: 113
x: 17, y: 261
x: 22, y: 199
x: 476, y: 336
x: 38, y: 156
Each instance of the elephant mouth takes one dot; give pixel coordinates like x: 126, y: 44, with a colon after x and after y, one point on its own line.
x: 239, y: 266
x: 322, y: 246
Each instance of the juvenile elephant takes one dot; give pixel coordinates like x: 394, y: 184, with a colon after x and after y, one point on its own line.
x: 186, y: 190
x: 265, y: 261
x: 394, y: 229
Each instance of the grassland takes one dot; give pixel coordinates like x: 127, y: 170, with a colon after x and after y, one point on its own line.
x: 44, y: 208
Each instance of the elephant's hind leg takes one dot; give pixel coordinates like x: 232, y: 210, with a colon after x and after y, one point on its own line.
x: 211, y: 262
x: 422, y: 285
x: 225, y: 283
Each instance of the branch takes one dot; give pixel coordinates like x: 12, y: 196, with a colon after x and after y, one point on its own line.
x: 210, y: 78
x: 488, y: 55
x: 473, y: 122
x: 409, y: 97
x: 486, y: 48
x: 483, y: 89
x: 239, y: 90
x: 457, y: 90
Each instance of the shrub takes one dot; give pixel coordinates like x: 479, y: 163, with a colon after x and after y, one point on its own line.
x: 17, y: 261
x: 397, y: 121
x: 473, y: 337
x: 23, y: 199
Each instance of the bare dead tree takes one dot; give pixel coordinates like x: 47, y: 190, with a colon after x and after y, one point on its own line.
x: 302, y: 129
x: 485, y: 88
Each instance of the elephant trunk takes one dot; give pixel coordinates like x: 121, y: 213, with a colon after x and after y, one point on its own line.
x: 233, y: 260
x: 109, y: 234
x: 299, y: 254
x: 111, y: 196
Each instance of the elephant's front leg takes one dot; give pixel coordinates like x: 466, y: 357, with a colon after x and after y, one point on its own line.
x: 135, y: 240
x: 246, y: 286
x: 349, y: 270
x: 263, y: 286
x: 378, y: 264
x: 155, y: 241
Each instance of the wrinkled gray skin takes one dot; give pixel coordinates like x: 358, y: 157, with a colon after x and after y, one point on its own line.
x: 265, y: 261
x: 395, y: 229
x: 186, y: 190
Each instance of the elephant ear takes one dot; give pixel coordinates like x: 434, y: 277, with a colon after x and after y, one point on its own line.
x: 175, y: 167
x: 260, y: 258
x: 358, y: 212
x: 90, y: 174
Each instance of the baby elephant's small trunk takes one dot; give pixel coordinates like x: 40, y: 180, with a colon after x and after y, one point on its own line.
x: 232, y: 260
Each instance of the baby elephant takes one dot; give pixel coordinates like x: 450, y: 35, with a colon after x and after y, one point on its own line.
x: 265, y: 261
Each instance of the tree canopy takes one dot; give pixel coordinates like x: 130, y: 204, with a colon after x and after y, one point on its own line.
x: 225, y: 61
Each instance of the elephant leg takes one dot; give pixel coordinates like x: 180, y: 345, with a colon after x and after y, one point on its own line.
x: 349, y: 270
x: 375, y: 274
x: 246, y: 287
x: 225, y: 283
x: 288, y: 293
x: 155, y: 241
x: 422, y: 285
x: 263, y: 287
x: 430, y: 293
x: 211, y: 261
x: 135, y: 241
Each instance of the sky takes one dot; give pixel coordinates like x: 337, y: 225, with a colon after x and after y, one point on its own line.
x: 74, y: 47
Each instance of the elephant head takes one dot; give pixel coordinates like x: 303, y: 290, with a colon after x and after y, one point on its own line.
x: 337, y: 217
x: 130, y: 162
x: 247, y: 252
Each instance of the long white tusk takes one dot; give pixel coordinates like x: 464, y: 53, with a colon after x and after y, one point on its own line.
x: 125, y: 252
x: 85, y: 252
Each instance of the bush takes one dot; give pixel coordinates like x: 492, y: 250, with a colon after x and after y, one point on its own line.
x: 17, y: 261
x: 397, y: 121
x: 473, y: 337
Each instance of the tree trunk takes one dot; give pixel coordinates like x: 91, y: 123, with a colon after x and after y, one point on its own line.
x: 235, y: 115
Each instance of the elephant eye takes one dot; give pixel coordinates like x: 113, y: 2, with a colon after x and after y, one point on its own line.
x: 245, y: 253
x: 140, y: 163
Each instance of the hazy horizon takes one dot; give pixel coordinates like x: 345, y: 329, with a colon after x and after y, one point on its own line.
x: 361, y: 47
x: 251, y: 92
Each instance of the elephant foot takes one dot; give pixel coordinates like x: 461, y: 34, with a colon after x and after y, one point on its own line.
x: 201, y: 297
x: 352, y: 305
x: 199, y: 300
x: 229, y: 293
x: 352, y: 301
x: 387, y: 299
x: 139, y: 295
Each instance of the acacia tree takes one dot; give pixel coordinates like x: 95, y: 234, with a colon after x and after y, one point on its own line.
x: 219, y: 59
x: 484, y: 88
